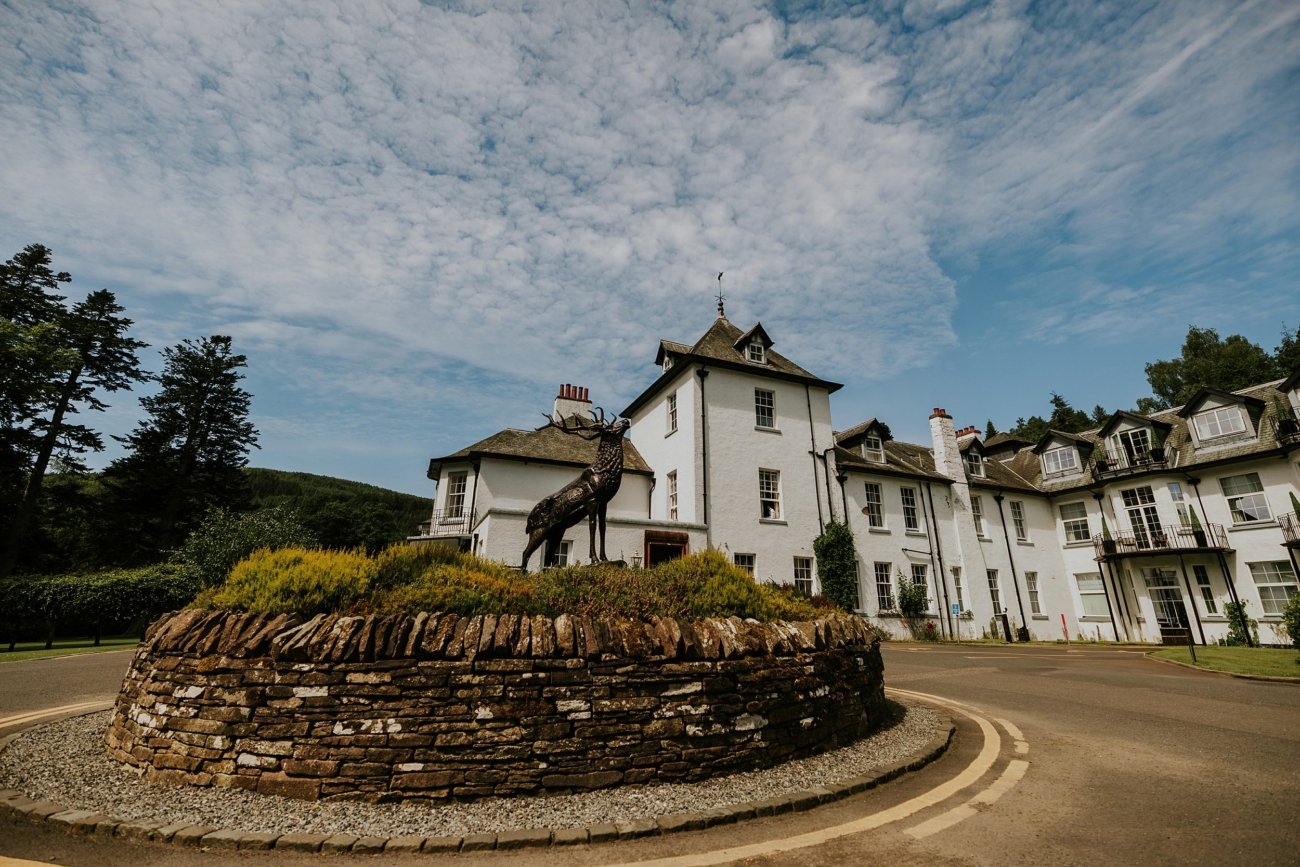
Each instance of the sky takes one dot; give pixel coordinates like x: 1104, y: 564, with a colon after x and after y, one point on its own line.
x: 417, y: 219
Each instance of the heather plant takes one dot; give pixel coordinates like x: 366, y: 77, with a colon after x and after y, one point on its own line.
x: 296, y: 579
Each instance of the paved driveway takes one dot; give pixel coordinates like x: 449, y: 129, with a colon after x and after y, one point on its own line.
x: 1130, y: 762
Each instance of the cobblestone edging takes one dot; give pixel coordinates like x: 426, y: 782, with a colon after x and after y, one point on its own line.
x: 438, y: 707
x: 17, y: 807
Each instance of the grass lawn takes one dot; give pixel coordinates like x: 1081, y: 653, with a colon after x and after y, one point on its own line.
x: 1242, y: 660
x: 63, y: 647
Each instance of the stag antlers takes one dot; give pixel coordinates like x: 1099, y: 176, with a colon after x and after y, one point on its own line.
x: 587, y: 430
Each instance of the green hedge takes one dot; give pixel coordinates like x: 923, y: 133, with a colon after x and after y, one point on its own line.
x: 95, y: 603
x: 435, y: 578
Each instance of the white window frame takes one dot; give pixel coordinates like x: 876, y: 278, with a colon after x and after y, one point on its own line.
x: 1276, y: 583
x: 885, y: 586
x: 1207, y: 590
x: 1072, y: 524
x: 757, y: 353
x: 873, y: 448
x: 1092, y: 594
x: 672, y: 412
x: 1018, y: 519
x: 769, y: 495
x: 803, y: 574
x: 956, y: 584
x: 977, y: 515
x: 995, y: 590
x: 1210, y: 425
x: 764, y: 409
x: 874, y: 497
x: 1180, y: 504
x: 672, y: 496
x: 974, y: 464
x: 562, y: 554
x: 745, y: 561
x: 668, y: 362
x: 453, y: 505
x: 911, y: 515
x: 1054, y: 460
x: 1249, y: 492
x: 1031, y: 584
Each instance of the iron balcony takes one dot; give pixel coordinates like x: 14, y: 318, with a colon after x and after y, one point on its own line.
x: 1285, y: 430
x: 1110, y: 465
x: 1168, y: 539
x: 1290, y: 523
x: 448, y: 523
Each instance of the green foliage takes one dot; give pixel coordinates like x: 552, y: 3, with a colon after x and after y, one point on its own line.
x: 837, y: 565
x: 990, y: 431
x: 1295, y: 504
x: 1105, y: 530
x: 913, y: 601
x: 1208, y: 360
x: 1241, y: 626
x: 1291, y: 620
x: 438, y: 578
x: 1287, y: 353
x: 1063, y: 418
x: 1195, y: 521
x: 224, y: 538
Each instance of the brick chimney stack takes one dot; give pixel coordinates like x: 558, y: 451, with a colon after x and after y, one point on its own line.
x: 570, y: 401
x: 947, y: 457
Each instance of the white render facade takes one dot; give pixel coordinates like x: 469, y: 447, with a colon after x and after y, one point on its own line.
x: 732, y: 447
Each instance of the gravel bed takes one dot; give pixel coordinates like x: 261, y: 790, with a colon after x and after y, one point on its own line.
x: 64, y: 762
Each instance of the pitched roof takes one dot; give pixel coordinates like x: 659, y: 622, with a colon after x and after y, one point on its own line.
x: 1041, y: 445
x: 1002, y: 438
x: 901, y: 459
x: 543, y: 445
x: 717, y: 348
x: 846, y: 437
x: 1205, y: 391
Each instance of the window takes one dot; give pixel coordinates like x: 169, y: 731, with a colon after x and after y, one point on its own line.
x: 875, y: 505
x: 1031, y: 583
x: 1276, y: 584
x: 769, y: 494
x: 956, y: 583
x: 873, y: 449
x: 757, y: 353
x: 1219, y: 422
x: 454, y: 507
x: 1136, y: 445
x: 1207, y: 592
x: 744, y: 561
x: 672, y: 412
x: 803, y: 574
x: 1018, y: 519
x: 884, y: 587
x: 911, y: 521
x: 1074, y: 517
x: 764, y: 401
x: 1060, y: 460
x: 977, y: 514
x: 562, y: 555
x: 974, y: 464
x: 994, y: 592
x: 668, y: 362
x: 1176, y: 493
x: 672, y: 496
x: 1143, y: 517
x: 1245, y: 498
x: 918, y: 574
x: 1093, y: 594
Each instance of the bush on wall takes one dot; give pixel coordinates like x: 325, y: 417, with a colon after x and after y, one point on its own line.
x: 225, y: 537
x: 837, y: 565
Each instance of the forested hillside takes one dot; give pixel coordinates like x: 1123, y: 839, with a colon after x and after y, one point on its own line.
x: 341, y: 512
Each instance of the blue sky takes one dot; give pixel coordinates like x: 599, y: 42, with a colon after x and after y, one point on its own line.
x: 417, y: 219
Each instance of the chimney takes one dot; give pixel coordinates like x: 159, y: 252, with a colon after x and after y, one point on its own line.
x: 570, y: 401
x: 947, y: 457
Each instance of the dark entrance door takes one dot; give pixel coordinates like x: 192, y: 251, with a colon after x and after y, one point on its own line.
x: 662, y: 546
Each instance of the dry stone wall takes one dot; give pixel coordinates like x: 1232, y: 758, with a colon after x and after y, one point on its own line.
x: 436, y: 706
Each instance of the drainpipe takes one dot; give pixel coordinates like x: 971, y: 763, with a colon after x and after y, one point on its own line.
x: 943, y: 570
x: 473, y: 503
x: 704, y: 457
x: 826, y: 471
x: 1223, y: 562
x: 1191, y: 600
x: 1109, y: 608
x: 844, y: 500
x: 812, y: 442
x: 650, y: 499
x: 1015, y: 582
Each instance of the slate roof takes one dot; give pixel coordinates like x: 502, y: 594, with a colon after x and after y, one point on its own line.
x: 901, y: 459
x: 543, y: 445
x: 1001, y: 438
x: 717, y: 348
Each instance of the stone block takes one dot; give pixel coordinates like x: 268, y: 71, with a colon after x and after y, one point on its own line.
x: 223, y: 839
x: 39, y: 811
x: 594, y: 780
x: 191, y: 835
x: 603, y: 832
x: 637, y: 828
x: 338, y: 844
x: 259, y: 840
x: 478, y: 843
x: 77, y: 821
x: 304, y: 789
x: 570, y: 837
x: 524, y: 838
x: 301, y: 842
x: 310, y: 767
x: 675, y: 822
x: 369, y: 845
x: 404, y: 844
x: 442, y: 844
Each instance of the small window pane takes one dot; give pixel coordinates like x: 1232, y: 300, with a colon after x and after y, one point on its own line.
x: 764, y: 404
x: 1018, y: 518
x: 1031, y: 582
x: 1074, y: 517
x: 875, y: 505
x: 744, y: 561
x: 803, y: 574
x: 769, y: 494
x: 911, y: 520
x: 884, y: 587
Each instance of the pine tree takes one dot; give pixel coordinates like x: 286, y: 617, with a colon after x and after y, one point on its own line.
x: 186, y: 456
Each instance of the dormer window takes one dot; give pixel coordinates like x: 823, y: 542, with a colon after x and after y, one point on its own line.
x: 757, y: 354
x: 1219, y: 422
x: 1062, y: 460
x: 1136, y: 445
x: 668, y: 362
x: 873, y: 449
x: 974, y: 464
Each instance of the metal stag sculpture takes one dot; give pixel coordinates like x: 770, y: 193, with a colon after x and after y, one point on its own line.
x: 588, y: 495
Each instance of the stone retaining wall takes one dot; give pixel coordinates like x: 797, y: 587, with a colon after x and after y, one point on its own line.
x: 440, y: 707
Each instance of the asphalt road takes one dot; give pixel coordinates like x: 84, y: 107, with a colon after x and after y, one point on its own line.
x: 36, y: 684
x: 1130, y: 762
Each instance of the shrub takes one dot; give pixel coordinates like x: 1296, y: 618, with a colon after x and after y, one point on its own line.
x: 1238, y: 624
x: 296, y: 579
x: 912, y: 604
x: 1291, y: 620
x: 224, y: 538
x: 837, y: 565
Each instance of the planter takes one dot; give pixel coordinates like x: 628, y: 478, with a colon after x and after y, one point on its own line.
x: 1101, y: 466
x: 1156, y: 455
x: 1109, y: 546
x: 1201, y: 541
x: 1288, y: 427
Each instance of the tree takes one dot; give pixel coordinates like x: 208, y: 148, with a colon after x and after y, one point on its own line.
x: 105, y: 359
x: 1063, y: 418
x: 989, y: 431
x: 28, y: 287
x: 1287, y: 354
x: 186, y: 456
x: 1207, y: 360
x: 837, y: 565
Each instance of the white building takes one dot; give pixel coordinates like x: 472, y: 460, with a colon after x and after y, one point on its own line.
x: 734, y: 449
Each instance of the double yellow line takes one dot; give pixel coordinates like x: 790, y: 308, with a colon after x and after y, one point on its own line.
x: 22, y: 719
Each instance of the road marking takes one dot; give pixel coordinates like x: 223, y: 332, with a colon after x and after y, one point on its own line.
x: 19, y: 862
x: 970, y: 775
x: 1011, y: 775
x: 32, y: 716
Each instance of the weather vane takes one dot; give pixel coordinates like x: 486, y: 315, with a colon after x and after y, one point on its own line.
x: 721, y: 297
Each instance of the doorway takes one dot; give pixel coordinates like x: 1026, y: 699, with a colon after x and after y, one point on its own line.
x: 662, y: 546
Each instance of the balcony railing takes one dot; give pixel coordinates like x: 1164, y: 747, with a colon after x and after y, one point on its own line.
x: 1285, y: 430
x: 1290, y: 529
x: 1171, y: 538
x: 448, y: 522
x: 1106, y: 464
